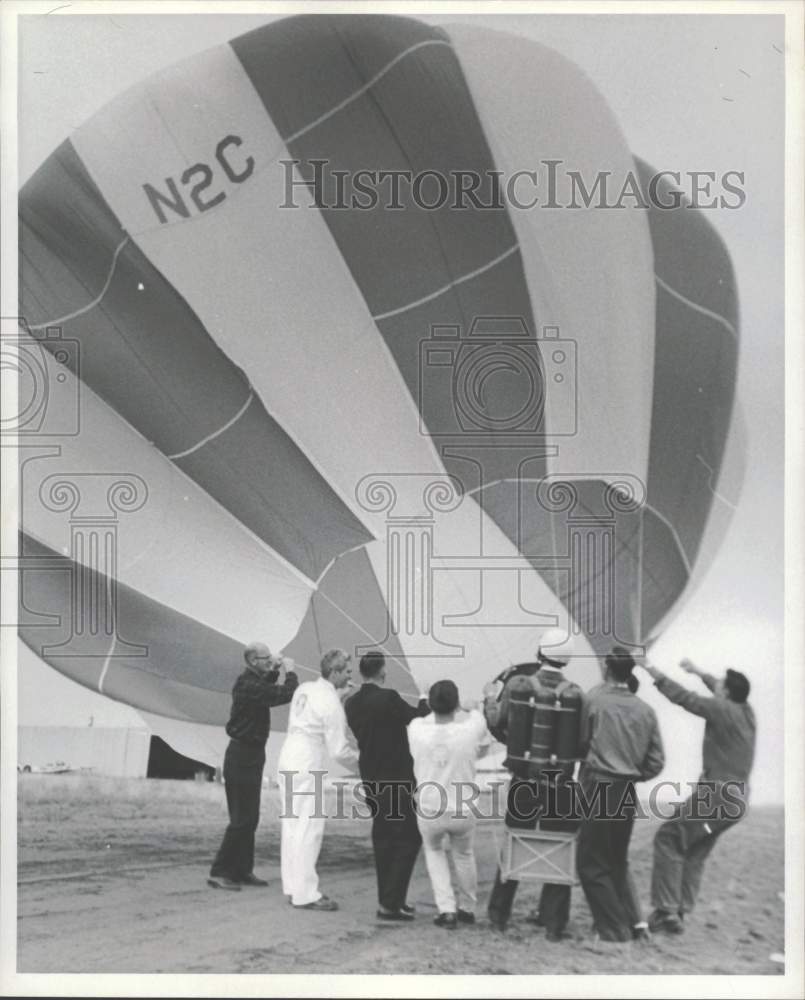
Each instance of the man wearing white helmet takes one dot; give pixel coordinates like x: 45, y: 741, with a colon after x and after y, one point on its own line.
x: 532, y: 798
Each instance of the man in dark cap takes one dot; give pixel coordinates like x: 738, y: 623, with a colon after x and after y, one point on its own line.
x: 621, y: 742
x: 255, y: 692
x: 683, y: 843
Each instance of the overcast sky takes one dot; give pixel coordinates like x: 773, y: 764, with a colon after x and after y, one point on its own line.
x: 691, y: 93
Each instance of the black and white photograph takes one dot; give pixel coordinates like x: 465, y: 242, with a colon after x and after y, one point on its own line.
x: 402, y: 499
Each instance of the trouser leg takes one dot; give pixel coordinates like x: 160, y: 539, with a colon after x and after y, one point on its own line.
x: 684, y: 842
x: 302, y: 830
x: 554, y: 907
x: 462, y: 853
x: 554, y: 900
x: 396, y: 841
x: 522, y: 813
x: 600, y: 853
x: 670, y: 848
x: 693, y: 870
x: 243, y: 771
x: 433, y: 836
x: 631, y: 900
x: 621, y: 878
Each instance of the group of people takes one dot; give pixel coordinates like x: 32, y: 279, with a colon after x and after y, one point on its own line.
x: 416, y: 763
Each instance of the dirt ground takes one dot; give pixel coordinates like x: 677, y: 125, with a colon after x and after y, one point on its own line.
x: 112, y: 879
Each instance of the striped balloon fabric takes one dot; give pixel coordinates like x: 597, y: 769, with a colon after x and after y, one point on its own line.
x: 319, y: 373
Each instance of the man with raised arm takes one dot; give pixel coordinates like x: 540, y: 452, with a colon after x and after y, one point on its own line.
x: 256, y: 691
x: 683, y: 843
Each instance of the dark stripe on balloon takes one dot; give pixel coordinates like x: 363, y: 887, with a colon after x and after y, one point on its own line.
x: 165, y: 662
x: 587, y: 550
x: 695, y: 371
x: 145, y: 352
x: 349, y: 611
x: 324, y: 83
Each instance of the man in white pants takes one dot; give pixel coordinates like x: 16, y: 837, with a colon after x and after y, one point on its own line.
x: 317, y: 727
x: 445, y: 751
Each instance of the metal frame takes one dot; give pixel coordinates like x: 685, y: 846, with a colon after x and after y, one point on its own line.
x: 543, y: 856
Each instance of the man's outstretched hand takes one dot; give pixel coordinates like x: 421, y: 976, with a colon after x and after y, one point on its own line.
x: 651, y: 670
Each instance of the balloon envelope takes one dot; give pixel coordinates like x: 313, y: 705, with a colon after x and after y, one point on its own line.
x: 318, y: 371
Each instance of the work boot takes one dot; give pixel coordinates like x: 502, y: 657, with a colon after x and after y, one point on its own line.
x: 252, y: 880
x: 220, y: 882
x: 465, y: 917
x: 446, y: 920
x: 665, y: 922
x: 555, y: 936
x: 325, y: 904
x: 400, y: 916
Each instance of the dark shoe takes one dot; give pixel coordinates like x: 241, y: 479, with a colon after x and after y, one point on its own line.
x: 253, y: 880
x: 555, y: 936
x: 465, y: 917
x: 665, y: 923
x: 407, y: 908
x: 325, y: 904
x: 395, y: 915
x: 497, y: 925
x: 446, y: 920
x: 219, y: 882
x: 641, y: 934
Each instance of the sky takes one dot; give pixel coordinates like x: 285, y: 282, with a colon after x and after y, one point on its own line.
x: 701, y: 92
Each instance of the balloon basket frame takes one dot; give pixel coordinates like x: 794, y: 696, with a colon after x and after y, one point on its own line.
x: 539, y: 856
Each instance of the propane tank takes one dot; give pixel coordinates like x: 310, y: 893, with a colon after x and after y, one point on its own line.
x: 543, y: 730
x: 519, y: 722
x: 568, y: 725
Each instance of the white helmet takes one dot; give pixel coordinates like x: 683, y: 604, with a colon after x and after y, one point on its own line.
x: 555, y: 646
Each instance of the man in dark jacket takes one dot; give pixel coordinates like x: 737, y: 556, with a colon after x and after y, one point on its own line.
x: 532, y: 802
x: 255, y: 692
x: 621, y: 743
x: 378, y: 717
x: 683, y: 843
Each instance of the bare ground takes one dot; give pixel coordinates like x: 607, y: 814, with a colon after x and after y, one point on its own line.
x: 112, y: 879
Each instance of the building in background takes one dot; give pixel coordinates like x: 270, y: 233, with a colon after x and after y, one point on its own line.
x: 121, y: 752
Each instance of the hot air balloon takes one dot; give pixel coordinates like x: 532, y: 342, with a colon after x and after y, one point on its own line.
x: 272, y: 387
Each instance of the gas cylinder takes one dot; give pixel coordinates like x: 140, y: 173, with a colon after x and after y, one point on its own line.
x: 543, y: 730
x: 567, y: 709
x: 519, y: 723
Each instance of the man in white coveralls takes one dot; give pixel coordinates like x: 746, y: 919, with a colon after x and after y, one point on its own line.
x: 317, y: 727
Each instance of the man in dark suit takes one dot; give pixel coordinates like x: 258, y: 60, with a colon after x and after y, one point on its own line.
x: 378, y: 717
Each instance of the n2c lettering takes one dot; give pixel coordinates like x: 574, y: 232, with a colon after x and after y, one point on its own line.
x: 198, y: 179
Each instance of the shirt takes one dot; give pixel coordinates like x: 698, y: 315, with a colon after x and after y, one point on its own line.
x: 316, y: 726
x: 729, y: 734
x: 620, y: 735
x: 378, y: 717
x: 252, y: 698
x: 444, y: 757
